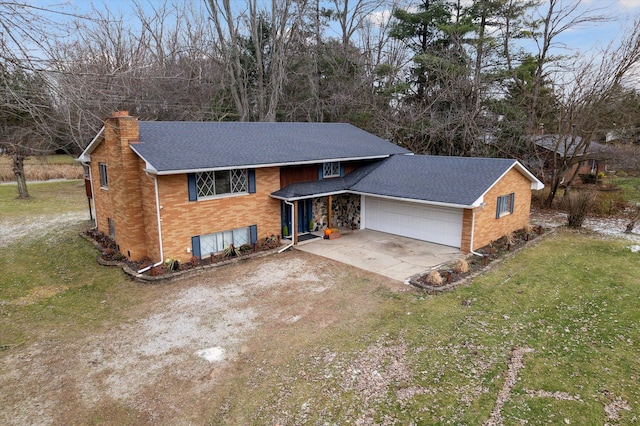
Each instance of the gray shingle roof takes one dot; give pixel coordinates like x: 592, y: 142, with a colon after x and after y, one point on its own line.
x: 566, y: 145
x: 449, y: 180
x: 302, y: 190
x: 179, y: 146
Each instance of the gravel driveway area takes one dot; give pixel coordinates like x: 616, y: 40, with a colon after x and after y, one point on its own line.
x: 166, y: 355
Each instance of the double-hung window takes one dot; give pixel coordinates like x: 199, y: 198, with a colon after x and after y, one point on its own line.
x: 221, y: 182
x: 104, y: 180
x: 505, y: 205
x: 330, y: 170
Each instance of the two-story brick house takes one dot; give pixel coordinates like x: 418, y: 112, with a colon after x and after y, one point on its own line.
x: 178, y: 189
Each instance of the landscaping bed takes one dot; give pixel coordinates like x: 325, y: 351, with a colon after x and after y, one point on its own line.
x: 146, y: 270
x: 452, y: 275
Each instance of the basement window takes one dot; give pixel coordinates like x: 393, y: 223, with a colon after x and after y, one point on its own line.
x: 215, y: 243
x: 505, y: 205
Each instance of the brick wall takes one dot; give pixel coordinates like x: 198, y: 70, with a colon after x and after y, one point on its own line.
x: 487, y: 228
x: 183, y: 219
x: 122, y: 201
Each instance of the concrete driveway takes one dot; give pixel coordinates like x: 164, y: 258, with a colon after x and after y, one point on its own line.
x: 392, y: 256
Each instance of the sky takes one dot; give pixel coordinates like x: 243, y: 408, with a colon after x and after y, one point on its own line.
x: 585, y: 38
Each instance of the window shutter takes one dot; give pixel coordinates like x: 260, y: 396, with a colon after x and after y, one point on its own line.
x: 341, y: 169
x: 320, y: 172
x: 253, y: 234
x: 498, y: 207
x: 252, y: 181
x: 513, y: 199
x: 193, y: 192
x: 195, y: 246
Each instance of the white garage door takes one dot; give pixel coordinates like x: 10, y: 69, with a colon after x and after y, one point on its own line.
x: 440, y: 225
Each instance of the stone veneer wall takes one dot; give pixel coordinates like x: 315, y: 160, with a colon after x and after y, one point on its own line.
x: 346, y: 211
x: 319, y: 212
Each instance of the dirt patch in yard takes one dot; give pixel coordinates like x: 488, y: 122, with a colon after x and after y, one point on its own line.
x: 169, y: 355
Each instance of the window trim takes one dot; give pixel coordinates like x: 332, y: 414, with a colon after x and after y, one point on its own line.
x: 252, y: 233
x: 333, y: 167
x: 104, y: 176
x: 504, y: 205
x: 232, y: 193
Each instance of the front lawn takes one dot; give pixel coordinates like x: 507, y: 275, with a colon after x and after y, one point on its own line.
x: 550, y: 336
x: 556, y: 329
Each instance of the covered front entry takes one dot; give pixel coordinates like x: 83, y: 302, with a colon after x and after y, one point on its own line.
x: 303, y: 219
x: 424, y: 222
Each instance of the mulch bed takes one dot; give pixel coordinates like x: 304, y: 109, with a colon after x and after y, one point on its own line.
x: 491, y: 255
x: 170, y: 270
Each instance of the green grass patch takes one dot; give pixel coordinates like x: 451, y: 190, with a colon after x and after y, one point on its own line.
x: 51, y: 284
x: 46, y: 198
x: 630, y: 187
x: 443, y: 359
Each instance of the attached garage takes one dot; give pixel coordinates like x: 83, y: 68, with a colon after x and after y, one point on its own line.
x: 441, y: 225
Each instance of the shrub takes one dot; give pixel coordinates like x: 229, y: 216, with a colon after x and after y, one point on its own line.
x: 230, y: 251
x: 434, y: 278
x: 577, y: 205
x: 609, y: 203
x: 245, y: 248
x: 588, y: 178
x: 461, y: 266
x: 195, y: 260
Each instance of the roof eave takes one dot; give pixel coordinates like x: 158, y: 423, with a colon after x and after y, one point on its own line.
x: 85, y: 157
x: 415, y: 200
x: 306, y: 197
x: 263, y: 165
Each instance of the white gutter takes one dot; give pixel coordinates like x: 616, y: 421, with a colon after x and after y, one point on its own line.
x: 155, y: 183
x: 414, y: 200
x: 306, y: 197
x: 293, y: 226
x: 152, y: 170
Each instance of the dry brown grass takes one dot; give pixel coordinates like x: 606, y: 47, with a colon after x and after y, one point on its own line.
x: 434, y: 278
x: 42, y: 171
x: 461, y: 266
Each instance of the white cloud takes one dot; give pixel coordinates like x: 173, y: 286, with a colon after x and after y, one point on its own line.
x: 629, y: 4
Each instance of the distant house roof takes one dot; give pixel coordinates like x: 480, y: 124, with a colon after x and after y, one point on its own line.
x: 170, y: 147
x: 453, y: 181
x: 565, y: 146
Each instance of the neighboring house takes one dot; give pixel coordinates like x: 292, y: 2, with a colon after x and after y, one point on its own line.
x: 593, y: 161
x: 179, y: 189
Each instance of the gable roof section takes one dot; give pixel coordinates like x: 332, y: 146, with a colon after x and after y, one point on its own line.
x: 170, y: 147
x: 324, y: 187
x: 566, y: 146
x: 452, y: 181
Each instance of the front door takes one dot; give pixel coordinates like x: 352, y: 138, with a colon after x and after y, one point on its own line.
x: 304, y: 215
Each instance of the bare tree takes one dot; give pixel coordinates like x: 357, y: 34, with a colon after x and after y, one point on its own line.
x: 253, y: 43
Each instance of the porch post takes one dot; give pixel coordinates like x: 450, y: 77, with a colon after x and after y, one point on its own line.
x: 329, y: 209
x: 294, y: 231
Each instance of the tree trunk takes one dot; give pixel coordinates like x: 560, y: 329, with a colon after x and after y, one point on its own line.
x: 18, y: 171
x: 632, y: 223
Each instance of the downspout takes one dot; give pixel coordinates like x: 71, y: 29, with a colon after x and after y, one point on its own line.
x: 155, y: 184
x: 93, y: 198
x: 473, y: 225
x: 293, y: 226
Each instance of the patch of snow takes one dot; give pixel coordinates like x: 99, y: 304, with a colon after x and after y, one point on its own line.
x: 213, y: 354
x: 634, y: 248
